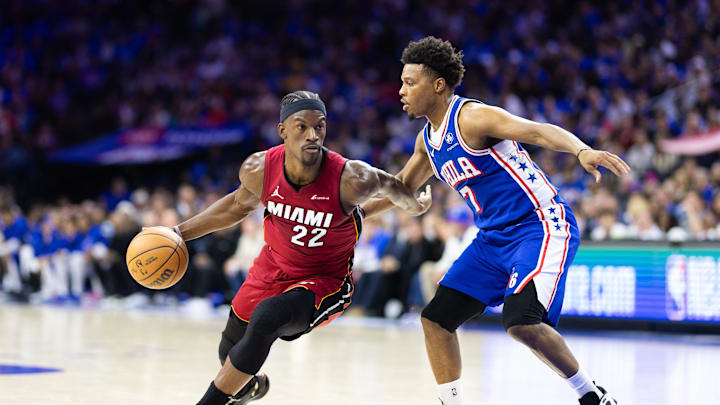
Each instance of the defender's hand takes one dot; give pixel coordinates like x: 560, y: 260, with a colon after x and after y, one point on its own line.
x: 591, y: 159
x: 424, y: 200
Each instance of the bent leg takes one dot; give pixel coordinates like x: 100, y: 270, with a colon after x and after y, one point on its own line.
x: 440, y: 319
x: 235, y: 329
x: 287, y: 314
x: 523, y: 320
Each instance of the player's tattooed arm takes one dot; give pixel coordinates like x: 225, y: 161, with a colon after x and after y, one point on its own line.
x: 478, y: 121
x: 416, y: 172
x: 361, y: 182
x: 232, y: 208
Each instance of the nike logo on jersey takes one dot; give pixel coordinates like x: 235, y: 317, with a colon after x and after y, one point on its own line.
x: 452, y: 147
x: 276, y: 193
x: 319, y: 197
x: 453, y: 176
x: 300, y: 215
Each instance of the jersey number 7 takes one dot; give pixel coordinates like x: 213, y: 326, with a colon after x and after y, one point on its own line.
x: 467, y: 193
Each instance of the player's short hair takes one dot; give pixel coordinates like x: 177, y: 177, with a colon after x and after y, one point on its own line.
x: 437, y: 55
x: 298, y: 95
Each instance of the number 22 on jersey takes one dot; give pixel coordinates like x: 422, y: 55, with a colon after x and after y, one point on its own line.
x: 301, y: 232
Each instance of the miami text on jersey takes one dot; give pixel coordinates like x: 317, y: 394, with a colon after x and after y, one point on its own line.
x: 300, y: 215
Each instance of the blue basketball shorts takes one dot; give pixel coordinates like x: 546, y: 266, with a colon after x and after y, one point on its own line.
x: 498, y: 263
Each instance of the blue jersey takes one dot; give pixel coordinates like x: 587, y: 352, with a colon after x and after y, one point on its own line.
x: 501, y: 184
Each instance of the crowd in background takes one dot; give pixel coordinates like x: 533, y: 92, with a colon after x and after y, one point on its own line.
x: 623, y: 76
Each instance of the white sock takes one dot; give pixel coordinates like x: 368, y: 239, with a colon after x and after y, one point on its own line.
x: 582, y: 384
x: 451, y: 393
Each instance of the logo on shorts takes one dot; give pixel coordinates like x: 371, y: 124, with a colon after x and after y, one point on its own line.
x: 276, y: 193
x: 453, y: 391
x: 513, y: 279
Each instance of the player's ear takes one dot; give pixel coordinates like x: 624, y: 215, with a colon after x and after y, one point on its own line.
x: 281, y: 131
x: 439, y: 85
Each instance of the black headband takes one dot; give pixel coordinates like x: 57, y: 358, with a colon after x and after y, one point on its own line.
x: 302, y: 104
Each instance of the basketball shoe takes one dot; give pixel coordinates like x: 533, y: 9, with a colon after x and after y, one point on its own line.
x: 256, y: 388
x: 591, y: 398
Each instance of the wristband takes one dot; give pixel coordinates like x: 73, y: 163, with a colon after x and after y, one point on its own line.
x: 580, y: 151
x: 176, y: 229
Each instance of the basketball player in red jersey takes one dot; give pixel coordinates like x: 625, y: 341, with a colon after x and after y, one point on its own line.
x: 301, y: 279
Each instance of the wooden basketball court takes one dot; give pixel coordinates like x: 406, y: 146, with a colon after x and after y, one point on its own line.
x: 116, y: 357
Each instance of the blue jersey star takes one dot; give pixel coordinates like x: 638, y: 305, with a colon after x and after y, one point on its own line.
x: 555, y: 219
x: 552, y: 210
x: 523, y: 166
x: 513, y: 157
x: 557, y: 227
x: 532, y: 177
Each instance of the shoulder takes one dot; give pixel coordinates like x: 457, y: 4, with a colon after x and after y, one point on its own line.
x: 476, y: 116
x: 473, y: 110
x: 252, y: 172
x: 253, y: 164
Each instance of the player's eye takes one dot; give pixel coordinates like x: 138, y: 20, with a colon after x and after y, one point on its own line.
x: 320, y: 127
x: 301, y: 127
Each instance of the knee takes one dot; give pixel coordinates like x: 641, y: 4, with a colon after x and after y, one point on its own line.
x: 267, y: 318
x: 224, y: 349
x: 433, y: 328
x: 434, y: 322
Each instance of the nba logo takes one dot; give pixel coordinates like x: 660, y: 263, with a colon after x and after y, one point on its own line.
x: 449, y: 138
x: 453, y: 391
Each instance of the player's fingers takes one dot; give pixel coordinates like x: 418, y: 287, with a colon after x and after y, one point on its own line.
x: 612, y: 166
x: 596, y: 173
x: 625, y: 166
x: 614, y: 163
x: 617, y: 162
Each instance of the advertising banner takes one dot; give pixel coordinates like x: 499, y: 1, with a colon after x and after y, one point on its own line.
x: 644, y: 283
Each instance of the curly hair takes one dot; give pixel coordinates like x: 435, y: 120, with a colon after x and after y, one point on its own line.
x: 437, y: 55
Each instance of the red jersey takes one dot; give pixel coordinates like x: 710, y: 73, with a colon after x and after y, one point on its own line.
x: 307, y: 231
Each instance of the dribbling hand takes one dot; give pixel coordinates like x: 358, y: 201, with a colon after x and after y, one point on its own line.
x: 591, y: 159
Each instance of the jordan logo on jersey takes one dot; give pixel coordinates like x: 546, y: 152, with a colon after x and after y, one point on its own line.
x: 300, y: 215
x: 276, y: 193
x: 453, y: 176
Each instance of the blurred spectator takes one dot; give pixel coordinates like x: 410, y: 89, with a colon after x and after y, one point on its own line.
x: 457, y: 232
x: 249, y: 245
x: 368, y: 267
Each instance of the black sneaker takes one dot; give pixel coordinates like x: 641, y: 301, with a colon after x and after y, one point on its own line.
x: 256, y: 388
x: 591, y: 398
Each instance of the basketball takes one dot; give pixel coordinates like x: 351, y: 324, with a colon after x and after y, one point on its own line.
x: 157, y: 258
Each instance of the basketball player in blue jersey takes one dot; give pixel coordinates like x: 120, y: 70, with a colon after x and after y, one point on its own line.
x: 527, y: 235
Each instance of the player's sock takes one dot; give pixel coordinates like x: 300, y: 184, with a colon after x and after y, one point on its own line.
x: 214, y: 396
x: 451, y: 393
x: 582, y: 384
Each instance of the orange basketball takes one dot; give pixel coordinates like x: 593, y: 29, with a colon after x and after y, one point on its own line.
x: 157, y: 257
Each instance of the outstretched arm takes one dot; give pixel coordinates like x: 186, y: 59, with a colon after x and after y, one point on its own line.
x: 232, y: 208
x: 361, y: 182
x: 483, y: 120
x: 416, y: 172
